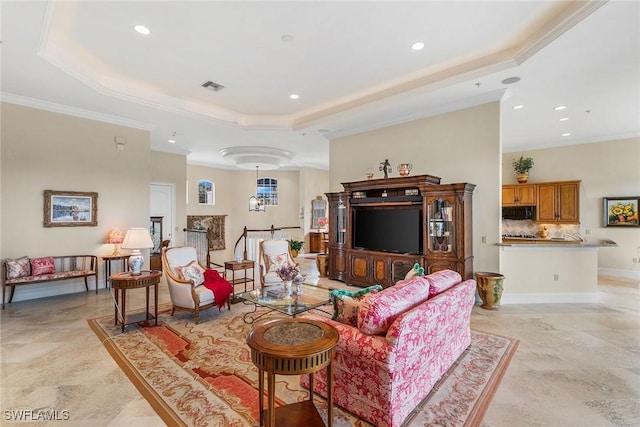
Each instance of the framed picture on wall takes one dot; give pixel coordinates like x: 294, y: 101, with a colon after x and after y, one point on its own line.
x: 621, y: 211
x: 70, y: 209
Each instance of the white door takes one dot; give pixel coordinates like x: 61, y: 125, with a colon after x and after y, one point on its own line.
x: 162, y: 199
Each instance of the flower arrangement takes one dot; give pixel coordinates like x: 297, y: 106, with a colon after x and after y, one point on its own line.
x: 522, y: 165
x: 288, y: 272
x: 621, y: 212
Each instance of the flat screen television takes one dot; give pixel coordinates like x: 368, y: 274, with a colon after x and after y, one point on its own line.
x: 389, y: 230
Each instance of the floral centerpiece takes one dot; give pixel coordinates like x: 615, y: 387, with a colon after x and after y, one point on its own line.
x: 622, y: 213
x: 288, y: 272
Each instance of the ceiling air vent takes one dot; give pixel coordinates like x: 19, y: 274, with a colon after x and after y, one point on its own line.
x: 216, y: 87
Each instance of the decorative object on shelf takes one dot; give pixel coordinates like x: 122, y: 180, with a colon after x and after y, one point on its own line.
x: 137, y: 238
x: 369, y: 173
x: 296, y: 246
x: 490, y: 286
x: 70, y: 209
x: 115, y: 237
x: 385, y: 167
x: 299, y: 280
x: 621, y: 211
x: 522, y: 167
x: 256, y: 203
x: 404, y: 168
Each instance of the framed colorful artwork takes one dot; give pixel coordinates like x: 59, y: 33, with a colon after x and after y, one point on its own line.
x: 621, y: 211
x: 70, y: 209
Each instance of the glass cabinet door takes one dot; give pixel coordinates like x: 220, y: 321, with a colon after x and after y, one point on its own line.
x: 155, y: 228
x: 441, y: 226
x: 341, y: 223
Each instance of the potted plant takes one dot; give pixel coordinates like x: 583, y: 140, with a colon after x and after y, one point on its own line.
x: 296, y: 245
x: 521, y: 167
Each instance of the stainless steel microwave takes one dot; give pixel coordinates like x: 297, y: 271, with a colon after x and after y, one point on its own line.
x: 518, y: 212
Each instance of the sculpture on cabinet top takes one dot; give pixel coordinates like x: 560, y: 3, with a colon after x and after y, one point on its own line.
x: 385, y: 167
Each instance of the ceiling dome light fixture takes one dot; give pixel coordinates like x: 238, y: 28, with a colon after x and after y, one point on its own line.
x: 141, y: 29
x: 294, y: 96
x: 560, y: 107
x: 417, y: 46
x: 268, y: 158
x: 566, y: 134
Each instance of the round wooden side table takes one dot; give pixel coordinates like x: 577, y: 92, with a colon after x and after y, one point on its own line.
x: 292, y: 346
x: 120, y: 282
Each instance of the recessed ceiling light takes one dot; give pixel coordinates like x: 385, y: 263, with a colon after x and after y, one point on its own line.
x: 518, y: 107
x: 294, y: 96
x: 417, y: 46
x: 560, y: 107
x: 566, y: 134
x: 564, y: 119
x: 172, y: 141
x: 510, y: 80
x: 141, y: 29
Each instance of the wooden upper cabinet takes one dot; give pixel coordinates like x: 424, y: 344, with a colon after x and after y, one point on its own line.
x: 558, y: 202
x: 519, y: 195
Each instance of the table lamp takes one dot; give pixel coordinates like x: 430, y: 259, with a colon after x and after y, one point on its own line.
x: 116, y: 237
x: 137, y: 238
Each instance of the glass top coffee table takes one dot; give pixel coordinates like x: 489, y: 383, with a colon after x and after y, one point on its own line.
x: 273, y: 298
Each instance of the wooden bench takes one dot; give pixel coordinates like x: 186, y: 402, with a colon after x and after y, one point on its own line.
x: 66, y: 267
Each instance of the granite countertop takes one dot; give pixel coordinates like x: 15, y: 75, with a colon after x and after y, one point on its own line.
x: 589, y: 243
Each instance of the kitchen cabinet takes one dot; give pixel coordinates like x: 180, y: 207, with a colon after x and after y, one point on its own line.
x: 558, y: 202
x: 519, y: 195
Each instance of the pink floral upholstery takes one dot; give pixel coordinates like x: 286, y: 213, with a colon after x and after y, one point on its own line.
x: 49, y: 277
x: 442, y: 280
x: 382, y: 378
x: 19, y: 267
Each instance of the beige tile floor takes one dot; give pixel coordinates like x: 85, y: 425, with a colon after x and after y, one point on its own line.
x: 577, y: 364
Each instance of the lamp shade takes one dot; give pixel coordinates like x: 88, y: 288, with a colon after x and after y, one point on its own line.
x: 115, y: 236
x: 137, y: 238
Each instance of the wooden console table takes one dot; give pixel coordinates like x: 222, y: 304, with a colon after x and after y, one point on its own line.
x: 234, y: 266
x: 107, y: 265
x: 120, y: 282
x: 292, y: 346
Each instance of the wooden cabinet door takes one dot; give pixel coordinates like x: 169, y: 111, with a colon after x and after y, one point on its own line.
x: 359, y: 270
x: 526, y: 195
x: 519, y: 195
x: 568, y: 202
x: 509, y: 195
x: 546, y: 208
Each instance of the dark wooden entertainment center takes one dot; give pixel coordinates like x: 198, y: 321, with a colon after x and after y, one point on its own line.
x: 445, y: 222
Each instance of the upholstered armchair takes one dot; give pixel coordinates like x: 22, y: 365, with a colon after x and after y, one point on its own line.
x: 272, y: 255
x: 186, y: 280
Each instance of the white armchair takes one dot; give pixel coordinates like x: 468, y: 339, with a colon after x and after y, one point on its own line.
x: 185, y: 294
x: 272, y: 255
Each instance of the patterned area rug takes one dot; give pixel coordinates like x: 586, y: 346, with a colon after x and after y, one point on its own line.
x: 202, y: 375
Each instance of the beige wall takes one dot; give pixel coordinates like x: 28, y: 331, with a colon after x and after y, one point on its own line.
x: 313, y: 183
x: 606, y: 169
x: 44, y: 150
x: 461, y: 146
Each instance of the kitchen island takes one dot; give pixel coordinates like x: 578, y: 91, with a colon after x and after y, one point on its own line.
x: 548, y: 271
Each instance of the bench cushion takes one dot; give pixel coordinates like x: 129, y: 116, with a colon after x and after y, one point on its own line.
x: 41, y: 266
x: 19, y: 267
x: 51, y: 276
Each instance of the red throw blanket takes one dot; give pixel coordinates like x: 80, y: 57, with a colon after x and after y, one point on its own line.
x: 220, y: 287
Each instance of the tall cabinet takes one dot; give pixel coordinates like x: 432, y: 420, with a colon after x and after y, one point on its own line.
x: 446, y: 229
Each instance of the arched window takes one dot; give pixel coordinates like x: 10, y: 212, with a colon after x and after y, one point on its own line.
x: 268, y: 191
x: 206, y: 192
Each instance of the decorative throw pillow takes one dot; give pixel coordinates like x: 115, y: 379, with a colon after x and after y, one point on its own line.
x: 18, y: 267
x: 276, y: 262
x: 40, y: 266
x: 192, y: 271
x: 346, y: 303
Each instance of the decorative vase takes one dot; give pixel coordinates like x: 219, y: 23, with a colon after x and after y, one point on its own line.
x: 295, y: 252
x: 490, y: 287
x: 404, y: 168
x: 298, y: 288
x: 522, y: 177
x: 287, y: 289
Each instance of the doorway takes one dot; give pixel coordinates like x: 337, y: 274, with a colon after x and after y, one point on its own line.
x: 162, y: 204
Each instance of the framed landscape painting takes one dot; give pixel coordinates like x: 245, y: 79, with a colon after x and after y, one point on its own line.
x: 621, y: 211
x: 70, y: 209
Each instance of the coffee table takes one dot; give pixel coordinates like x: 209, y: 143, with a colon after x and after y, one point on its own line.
x: 273, y: 299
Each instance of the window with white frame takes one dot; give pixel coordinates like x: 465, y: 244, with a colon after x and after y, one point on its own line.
x: 268, y: 191
x: 206, y: 192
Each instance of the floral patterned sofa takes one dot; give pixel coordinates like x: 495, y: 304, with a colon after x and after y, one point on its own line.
x: 407, y: 336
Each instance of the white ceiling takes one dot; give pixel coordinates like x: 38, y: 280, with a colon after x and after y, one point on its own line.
x: 350, y: 62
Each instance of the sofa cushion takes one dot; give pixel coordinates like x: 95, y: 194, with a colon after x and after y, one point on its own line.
x: 18, y: 267
x: 442, y: 280
x: 40, y: 266
x: 346, y: 303
x: 380, y: 310
x: 276, y: 262
x: 192, y: 271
